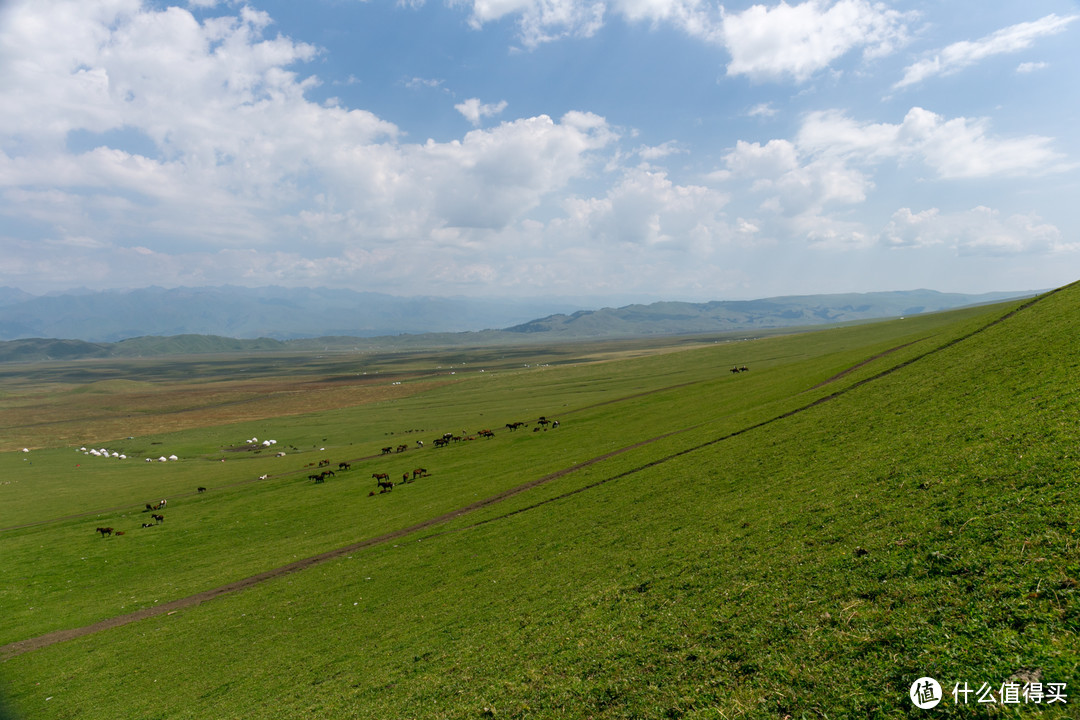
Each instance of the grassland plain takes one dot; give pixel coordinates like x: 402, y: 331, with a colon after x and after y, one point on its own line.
x: 751, y: 552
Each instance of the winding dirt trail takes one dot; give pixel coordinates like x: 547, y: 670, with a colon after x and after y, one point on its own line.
x: 23, y: 646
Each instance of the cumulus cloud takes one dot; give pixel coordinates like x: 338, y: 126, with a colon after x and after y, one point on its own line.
x: 541, y: 21
x: 795, y: 41
x: 956, y: 148
x: 795, y: 184
x: 238, y: 162
x: 647, y: 208
x: 766, y: 43
x: 963, y: 54
x: 474, y: 110
x: 979, y: 231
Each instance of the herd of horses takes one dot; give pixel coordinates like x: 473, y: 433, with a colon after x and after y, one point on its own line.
x: 382, y: 479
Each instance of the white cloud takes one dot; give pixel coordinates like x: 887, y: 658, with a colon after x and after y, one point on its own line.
x: 957, y: 148
x: 979, y: 231
x: 542, y: 21
x: 762, y: 110
x: 419, y: 82
x: 1026, y: 67
x: 243, y: 162
x: 794, y: 187
x: 963, y: 54
x: 658, y: 152
x: 474, y: 110
x: 796, y: 41
x: 647, y: 209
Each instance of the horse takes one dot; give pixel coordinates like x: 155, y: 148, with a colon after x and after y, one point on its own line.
x: 402, y: 448
x: 380, y: 476
x: 386, y: 485
x: 202, y: 489
x: 419, y: 472
x: 343, y: 466
x: 387, y: 450
x: 158, y: 518
x: 148, y: 524
x: 105, y: 531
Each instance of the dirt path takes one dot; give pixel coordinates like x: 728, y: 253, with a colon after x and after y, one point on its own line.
x: 23, y: 646
x: 868, y: 360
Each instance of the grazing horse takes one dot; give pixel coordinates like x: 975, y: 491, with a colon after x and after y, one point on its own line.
x: 323, y: 463
x: 386, y: 485
x: 419, y: 472
x: 402, y: 448
x: 158, y: 518
x: 343, y: 466
x: 149, y: 507
x: 405, y: 477
x: 105, y: 531
x: 202, y: 489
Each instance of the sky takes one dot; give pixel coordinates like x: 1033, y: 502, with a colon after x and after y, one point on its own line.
x: 629, y: 150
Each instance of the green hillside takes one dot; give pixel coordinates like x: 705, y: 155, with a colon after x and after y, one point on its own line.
x: 864, y: 507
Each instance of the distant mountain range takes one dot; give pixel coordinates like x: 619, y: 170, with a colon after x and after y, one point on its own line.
x: 720, y: 316
x: 154, y: 321
x: 272, y: 312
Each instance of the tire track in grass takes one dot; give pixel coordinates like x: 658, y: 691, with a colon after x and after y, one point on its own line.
x: 19, y: 647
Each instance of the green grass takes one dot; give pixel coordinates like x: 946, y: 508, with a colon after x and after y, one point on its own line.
x: 753, y: 563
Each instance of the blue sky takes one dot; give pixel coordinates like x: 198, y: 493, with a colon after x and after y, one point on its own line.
x: 614, y: 150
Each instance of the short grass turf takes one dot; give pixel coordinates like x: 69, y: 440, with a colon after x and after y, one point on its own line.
x: 921, y: 521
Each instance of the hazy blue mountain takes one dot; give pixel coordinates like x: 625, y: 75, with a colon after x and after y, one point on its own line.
x: 190, y: 316
x: 665, y: 318
x: 272, y: 312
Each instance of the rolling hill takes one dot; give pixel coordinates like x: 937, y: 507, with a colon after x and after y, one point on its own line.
x: 865, y: 507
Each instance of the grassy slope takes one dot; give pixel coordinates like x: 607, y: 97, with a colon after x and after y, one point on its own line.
x: 721, y: 582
